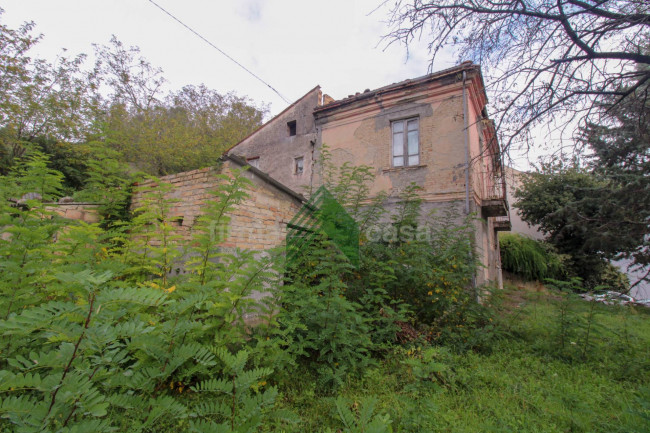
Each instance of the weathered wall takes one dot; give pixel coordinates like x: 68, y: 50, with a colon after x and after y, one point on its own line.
x: 257, y: 223
x: 277, y: 150
x: 513, y: 177
x: 364, y: 138
x: 359, y: 132
x: 86, y: 212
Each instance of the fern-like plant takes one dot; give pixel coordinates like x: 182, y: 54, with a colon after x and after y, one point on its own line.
x: 361, y: 417
x: 237, y: 401
x: 95, y: 336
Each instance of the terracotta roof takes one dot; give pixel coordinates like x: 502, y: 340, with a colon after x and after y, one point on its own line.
x: 465, y: 66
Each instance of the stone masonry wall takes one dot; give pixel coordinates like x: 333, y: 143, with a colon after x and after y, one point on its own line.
x: 276, y: 150
x: 86, y: 212
x: 259, y: 222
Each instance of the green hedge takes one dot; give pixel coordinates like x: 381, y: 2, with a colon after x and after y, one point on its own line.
x: 529, y: 258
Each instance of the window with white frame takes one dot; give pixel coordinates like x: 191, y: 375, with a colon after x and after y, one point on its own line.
x: 406, y: 142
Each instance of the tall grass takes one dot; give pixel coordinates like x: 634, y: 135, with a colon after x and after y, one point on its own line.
x: 527, y: 383
x: 529, y: 258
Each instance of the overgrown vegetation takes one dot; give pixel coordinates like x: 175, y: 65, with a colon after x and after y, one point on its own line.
x: 560, y: 199
x: 100, y: 333
x: 67, y: 108
x: 528, y: 381
x: 530, y: 259
x: 596, y: 208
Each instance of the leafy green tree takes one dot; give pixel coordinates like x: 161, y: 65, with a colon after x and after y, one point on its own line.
x: 562, y: 198
x: 39, y: 99
x: 169, y: 138
x: 621, y: 157
x: 183, y: 130
x: 600, y: 210
x: 107, y: 181
x: 120, y: 101
x: 28, y: 232
x: 14, y: 71
x: 133, y: 81
x: 72, y: 160
x: 34, y: 176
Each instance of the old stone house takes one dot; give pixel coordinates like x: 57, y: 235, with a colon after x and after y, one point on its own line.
x: 432, y: 130
x: 258, y: 222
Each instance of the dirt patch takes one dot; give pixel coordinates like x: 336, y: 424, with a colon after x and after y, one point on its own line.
x: 518, y: 292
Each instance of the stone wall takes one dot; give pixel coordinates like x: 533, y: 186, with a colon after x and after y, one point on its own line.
x: 259, y: 222
x: 86, y: 212
x: 274, y: 150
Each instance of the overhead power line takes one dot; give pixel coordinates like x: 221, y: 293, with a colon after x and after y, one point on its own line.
x: 220, y: 50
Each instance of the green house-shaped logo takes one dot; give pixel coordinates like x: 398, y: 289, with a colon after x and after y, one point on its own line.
x: 323, y: 214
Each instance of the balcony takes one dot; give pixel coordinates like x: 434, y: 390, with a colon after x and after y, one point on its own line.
x: 493, y: 195
x: 502, y: 224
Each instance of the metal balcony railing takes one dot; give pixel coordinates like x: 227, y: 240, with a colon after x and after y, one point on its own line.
x: 492, y: 186
x: 502, y: 223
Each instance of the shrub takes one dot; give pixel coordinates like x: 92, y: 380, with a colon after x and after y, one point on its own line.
x: 430, y: 276
x: 97, y: 336
x: 612, y: 278
x: 330, y: 334
x: 529, y: 258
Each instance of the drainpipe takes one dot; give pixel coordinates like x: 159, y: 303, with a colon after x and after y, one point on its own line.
x: 466, y: 138
x: 313, y: 160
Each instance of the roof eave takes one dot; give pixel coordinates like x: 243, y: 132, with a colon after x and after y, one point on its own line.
x: 465, y: 66
x: 265, y: 177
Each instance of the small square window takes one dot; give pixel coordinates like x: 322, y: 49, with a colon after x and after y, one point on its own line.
x: 292, y: 128
x: 254, y: 162
x: 298, y: 165
x: 406, y: 142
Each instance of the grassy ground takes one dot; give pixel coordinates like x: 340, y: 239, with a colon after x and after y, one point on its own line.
x: 550, y: 364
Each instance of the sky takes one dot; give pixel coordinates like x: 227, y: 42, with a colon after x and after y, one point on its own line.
x: 292, y: 45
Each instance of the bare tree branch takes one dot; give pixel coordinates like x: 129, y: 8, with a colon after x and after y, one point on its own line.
x: 545, y: 61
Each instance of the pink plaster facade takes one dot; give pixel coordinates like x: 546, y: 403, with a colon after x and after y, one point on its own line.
x: 456, y: 141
